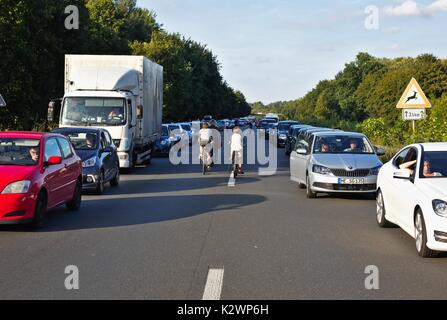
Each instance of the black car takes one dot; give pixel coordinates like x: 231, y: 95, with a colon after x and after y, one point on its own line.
x: 283, y: 129
x: 100, y: 161
x: 292, y: 135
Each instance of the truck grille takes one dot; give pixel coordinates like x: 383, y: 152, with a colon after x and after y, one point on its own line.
x: 350, y: 174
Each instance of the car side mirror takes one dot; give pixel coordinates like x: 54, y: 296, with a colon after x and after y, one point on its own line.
x: 139, y: 112
x: 301, y: 151
x: 404, y: 174
x: 54, y: 161
x: 380, y: 152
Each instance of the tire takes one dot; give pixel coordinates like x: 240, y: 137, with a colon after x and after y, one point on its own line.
x: 310, y: 194
x: 381, y: 212
x: 40, y: 212
x: 75, y: 203
x: 421, y: 237
x: 116, y: 180
x: 100, y: 185
x: 302, y: 186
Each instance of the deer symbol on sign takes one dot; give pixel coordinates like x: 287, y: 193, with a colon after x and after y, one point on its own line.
x: 413, y: 97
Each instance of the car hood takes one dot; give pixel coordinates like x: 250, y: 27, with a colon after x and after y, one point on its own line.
x: 10, y: 174
x: 86, y: 154
x: 434, y: 188
x: 347, y: 161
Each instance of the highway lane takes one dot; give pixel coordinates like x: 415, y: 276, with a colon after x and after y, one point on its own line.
x: 156, y: 236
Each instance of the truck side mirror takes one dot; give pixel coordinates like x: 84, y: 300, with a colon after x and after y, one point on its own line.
x: 139, y: 112
x: 2, y: 102
x: 54, y: 108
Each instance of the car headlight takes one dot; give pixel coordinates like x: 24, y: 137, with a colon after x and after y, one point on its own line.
x: 164, y: 142
x: 321, y: 170
x: 375, y: 171
x: 440, y: 208
x: 18, y: 187
x: 89, y: 163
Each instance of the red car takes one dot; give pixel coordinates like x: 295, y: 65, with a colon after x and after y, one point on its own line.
x: 38, y: 172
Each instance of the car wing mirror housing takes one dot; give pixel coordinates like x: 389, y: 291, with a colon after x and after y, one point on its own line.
x: 53, y: 161
x: 380, y: 152
x: 403, y: 174
x: 301, y: 151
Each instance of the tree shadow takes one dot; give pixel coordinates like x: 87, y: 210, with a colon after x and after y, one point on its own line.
x: 131, y: 211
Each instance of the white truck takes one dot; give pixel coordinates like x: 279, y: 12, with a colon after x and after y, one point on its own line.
x: 123, y: 94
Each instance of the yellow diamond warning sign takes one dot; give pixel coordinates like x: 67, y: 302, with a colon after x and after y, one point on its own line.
x: 414, y: 97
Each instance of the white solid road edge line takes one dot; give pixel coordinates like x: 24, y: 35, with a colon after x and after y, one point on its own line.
x: 232, y: 181
x: 213, y: 287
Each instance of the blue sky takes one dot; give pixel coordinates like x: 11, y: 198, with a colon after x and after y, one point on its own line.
x: 275, y: 50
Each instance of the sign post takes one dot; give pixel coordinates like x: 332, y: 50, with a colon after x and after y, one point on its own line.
x: 414, y: 103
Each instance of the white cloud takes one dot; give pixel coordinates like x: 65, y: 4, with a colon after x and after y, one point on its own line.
x: 413, y: 8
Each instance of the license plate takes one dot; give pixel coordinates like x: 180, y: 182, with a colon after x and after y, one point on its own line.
x: 351, y: 181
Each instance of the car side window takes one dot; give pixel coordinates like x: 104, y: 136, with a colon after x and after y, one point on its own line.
x: 108, y: 139
x: 400, y: 158
x: 67, y: 152
x: 104, y: 143
x: 52, y: 149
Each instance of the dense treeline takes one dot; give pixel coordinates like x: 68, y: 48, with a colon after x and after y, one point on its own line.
x: 33, y: 42
x: 364, y: 96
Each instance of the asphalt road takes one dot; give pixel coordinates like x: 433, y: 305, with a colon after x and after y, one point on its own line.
x: 156, y: 236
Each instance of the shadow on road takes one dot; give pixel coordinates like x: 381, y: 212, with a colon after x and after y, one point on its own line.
x: 97, y: 214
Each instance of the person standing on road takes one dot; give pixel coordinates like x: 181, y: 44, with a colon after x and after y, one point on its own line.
x: 237, y: 148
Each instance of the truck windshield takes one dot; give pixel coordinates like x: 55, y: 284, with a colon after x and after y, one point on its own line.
x: 94, y: 111
x: 19, y: 152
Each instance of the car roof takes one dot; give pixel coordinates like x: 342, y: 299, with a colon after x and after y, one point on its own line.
x: 24, y: 134
x: 332, y: 132
x: 434, y: 146
x: 78, y: 129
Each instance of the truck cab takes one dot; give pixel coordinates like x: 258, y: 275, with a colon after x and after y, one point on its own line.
x: 115, y: 111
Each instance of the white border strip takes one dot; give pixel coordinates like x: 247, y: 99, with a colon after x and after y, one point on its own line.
x: 213, y: 287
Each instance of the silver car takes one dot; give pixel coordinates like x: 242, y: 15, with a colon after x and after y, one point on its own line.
x: 335, y: 162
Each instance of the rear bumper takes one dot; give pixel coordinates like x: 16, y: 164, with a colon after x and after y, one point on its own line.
x: 16, y: 208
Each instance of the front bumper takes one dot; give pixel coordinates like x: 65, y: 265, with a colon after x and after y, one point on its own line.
x: 17, y: 208
x: 332, y: 184
x: 90, y: 178
x: 436, y: 231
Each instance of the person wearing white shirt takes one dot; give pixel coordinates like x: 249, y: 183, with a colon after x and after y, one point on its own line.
x: 237, y: 148
x: 205, y: 142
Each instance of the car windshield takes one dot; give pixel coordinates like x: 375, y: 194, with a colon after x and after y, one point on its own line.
x: 434, y: 164
x: 83, y: 140
x: 19, y: 152
x: 284, y: 126
x: 343, y: 144
x: 94, y: 111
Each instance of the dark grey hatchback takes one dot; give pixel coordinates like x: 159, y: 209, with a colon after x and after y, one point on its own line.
x: 100, y: 162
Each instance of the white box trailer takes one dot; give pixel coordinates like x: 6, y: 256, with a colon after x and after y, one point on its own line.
x: 123, y: 94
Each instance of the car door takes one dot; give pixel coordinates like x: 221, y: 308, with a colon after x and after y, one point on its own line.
x: 54, y: 175
x: 397, y: 193
x: 70, y: 170
x: 298, y: 162
x: 114, y: 160
x: 106, y: 157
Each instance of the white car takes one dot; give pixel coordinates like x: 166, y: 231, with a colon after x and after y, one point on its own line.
x: 412, y: 193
